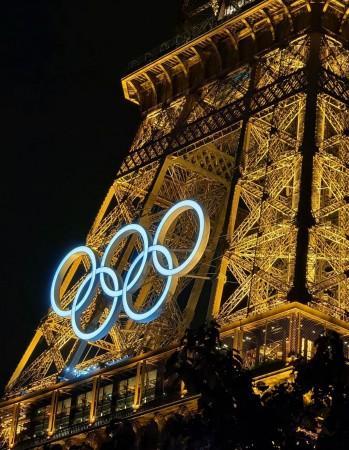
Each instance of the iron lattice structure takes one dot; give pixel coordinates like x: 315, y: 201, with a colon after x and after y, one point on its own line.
x: 251, y: 120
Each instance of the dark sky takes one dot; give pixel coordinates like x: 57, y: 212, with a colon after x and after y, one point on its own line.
x: 65, y: 132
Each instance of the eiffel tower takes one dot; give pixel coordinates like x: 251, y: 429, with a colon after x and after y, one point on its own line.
x: 245, y: 112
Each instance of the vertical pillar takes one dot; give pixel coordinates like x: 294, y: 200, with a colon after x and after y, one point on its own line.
x: 138, y: 386
x: 234, y: 208
x: 237, y: 340
x: 233, y: 203
x: 305, y: 220
x: 94, y: 399
x: 53, y: 412
x: 294, y: 334
x: 183, y: 389
x: 265, y: 340
x: 217, y: 288
x: 15, y: 417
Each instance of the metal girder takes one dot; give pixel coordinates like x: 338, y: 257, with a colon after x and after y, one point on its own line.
x: 251, y: 258
x: 218, y: 121
x: 187, y: 149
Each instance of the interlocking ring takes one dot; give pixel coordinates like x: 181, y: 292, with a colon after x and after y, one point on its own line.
x: 120, y: 291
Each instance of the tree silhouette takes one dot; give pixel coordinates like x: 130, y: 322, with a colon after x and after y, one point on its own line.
x: 310, y: 412
x: 227, y: 402
x: 121, y: 436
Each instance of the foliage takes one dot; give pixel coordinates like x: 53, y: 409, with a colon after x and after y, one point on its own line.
x: 310, y: 412
x: 121, y: 436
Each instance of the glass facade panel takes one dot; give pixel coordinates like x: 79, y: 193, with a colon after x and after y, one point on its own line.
x: 126, y: 391
x: 39, y: 421
x: 63, y: 413
x: 149, y: 386
x: 346, y: 347
x: 81, y: 410
x: 310, y: 330
x: 105, y: 397
x: 266, y: 343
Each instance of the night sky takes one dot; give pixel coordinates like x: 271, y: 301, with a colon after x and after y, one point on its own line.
x: 66, y: 130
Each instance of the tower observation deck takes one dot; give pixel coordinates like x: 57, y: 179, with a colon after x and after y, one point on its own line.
x: 246, y: 113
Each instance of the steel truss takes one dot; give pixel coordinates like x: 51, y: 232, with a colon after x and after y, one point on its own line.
x: 261, y: 255
x: 236, y: 145
x: 202, y: 174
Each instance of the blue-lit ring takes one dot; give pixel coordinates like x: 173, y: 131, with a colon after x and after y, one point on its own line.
x: 62, y: 270
x: 114, y: 310
x: 108, y: 254
x: 130, y: 286
x: 155, y: 310
x: 163, y: 227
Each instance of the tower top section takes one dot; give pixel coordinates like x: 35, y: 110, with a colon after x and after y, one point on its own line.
x: 218, y: 37
x: 199, y: 9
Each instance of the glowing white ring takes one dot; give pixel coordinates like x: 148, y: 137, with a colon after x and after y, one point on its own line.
x: 60, y: 273
x: 108, y: 254
x: 103, y: 329
x: 154, y: 312
x: 201, y: 242
x: 83, y: 299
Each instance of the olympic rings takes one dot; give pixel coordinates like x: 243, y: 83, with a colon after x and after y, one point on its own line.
x: 120, y: 291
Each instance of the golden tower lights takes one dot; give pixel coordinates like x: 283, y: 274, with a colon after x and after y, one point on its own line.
x: 247, y: 113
